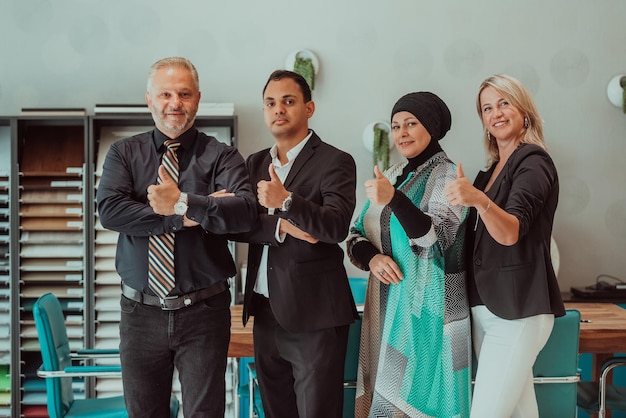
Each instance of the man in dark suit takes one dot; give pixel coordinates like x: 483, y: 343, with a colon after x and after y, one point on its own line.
x: 297, y: 288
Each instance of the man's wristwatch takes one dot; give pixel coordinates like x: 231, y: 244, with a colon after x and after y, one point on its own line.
x: 180, y: 207
x: 286, y: 203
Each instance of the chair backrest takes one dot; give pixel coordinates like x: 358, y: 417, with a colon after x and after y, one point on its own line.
x: 55, y: 352
x: 352, y: 352
x: 358, y: 286
x: 557, y: 366
x: 351, y: 368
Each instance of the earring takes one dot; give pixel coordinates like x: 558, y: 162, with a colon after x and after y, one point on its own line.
x: 489, y: 136
x: 526, y: 122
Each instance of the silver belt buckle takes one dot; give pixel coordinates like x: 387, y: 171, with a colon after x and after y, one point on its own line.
x: 164, y: 300
x: 186, y: 302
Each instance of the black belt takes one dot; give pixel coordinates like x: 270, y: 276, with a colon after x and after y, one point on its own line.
x: 172, y: 303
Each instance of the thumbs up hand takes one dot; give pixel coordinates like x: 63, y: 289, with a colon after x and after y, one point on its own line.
x: 377, y: 173
x: 272, y: 193
x: 379, y: 190
x: 459, y: 171
x: 461, y: 191
x: 165, y: 176
x: 162, y: 197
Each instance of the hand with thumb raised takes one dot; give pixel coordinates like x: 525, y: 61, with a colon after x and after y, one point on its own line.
x: 163, y: 196
x: 379, y: 190
x: 377, y: 173
x: 272, y: 193
x: 273, y: 175
x: 461, y: 191
x: 459, y: 171
x: 164, y: 175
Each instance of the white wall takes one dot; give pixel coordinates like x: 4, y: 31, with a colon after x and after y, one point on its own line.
x: 82, y: 52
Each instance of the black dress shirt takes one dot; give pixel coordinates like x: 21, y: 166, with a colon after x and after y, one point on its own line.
x: 206, y: 165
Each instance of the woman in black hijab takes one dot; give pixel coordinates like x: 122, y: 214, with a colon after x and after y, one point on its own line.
x: 415, y: 342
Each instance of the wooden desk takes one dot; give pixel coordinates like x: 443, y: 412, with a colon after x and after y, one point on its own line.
x: 606, y: 331
x: 604, y: 335
x: 241, y: 344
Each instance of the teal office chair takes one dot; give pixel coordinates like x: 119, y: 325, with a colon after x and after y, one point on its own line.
x: 256, y: 404
x: 58, y: 368
x: 358, y: 285
x: 599, y: 396
x: 556, y: 369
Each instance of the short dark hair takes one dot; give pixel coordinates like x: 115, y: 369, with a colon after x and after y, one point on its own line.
x: 280, y: 74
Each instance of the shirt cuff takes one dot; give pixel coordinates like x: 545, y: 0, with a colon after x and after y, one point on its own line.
x: 279, y: 237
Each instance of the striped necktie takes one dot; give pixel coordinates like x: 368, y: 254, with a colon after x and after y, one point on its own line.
x: 161, y: 278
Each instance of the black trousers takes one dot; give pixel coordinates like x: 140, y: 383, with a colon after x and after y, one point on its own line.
x: 300, y: 374
x: 194, y: 340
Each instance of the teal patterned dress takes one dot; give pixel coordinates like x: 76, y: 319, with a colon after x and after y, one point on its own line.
x: 415, y: 354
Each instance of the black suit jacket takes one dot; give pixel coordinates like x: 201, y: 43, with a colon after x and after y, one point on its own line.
x: 308, y: 284
x: 518, y: 281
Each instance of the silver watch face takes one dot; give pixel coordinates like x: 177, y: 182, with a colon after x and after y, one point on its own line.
x: 180, y: 208
x: 286, y: 204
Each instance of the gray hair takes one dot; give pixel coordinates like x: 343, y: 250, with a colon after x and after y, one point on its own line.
x: 173, y: 62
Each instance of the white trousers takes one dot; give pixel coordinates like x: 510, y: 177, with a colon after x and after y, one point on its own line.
x: 506, y: 351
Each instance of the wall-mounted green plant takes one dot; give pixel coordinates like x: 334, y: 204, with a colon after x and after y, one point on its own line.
x: 305, y: 67
x: 381, y: 147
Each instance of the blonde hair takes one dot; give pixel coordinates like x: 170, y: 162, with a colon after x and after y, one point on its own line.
x: 517, y: 95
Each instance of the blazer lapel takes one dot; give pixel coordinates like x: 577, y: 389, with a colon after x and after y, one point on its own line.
x: 480, y: 183
x: 307, y: 152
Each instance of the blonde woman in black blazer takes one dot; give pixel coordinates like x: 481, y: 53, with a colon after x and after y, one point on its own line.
x: 513, y: 291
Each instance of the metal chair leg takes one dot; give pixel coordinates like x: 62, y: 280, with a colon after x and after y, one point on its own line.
x: 603, y: 384
x: 251, y: 383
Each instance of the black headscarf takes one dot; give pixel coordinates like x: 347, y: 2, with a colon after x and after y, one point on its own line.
x: 429, y: 109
